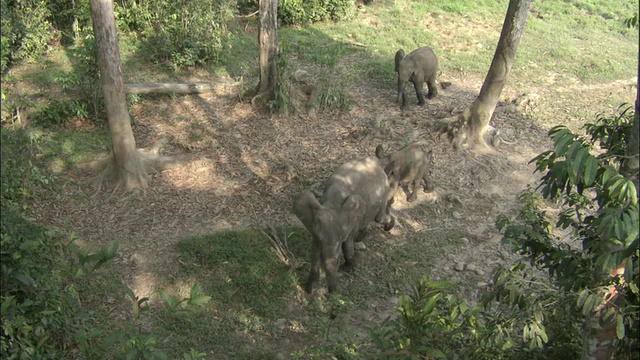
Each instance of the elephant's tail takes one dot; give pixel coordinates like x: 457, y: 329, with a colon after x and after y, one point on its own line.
x: 399, y: 56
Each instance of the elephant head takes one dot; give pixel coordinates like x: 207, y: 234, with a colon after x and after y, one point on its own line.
x: 331, y: 227
x: 420, y: 66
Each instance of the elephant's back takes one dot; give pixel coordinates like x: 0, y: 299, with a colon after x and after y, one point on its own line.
x: 363, y: 177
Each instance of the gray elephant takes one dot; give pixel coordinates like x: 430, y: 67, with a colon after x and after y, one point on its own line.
x: 356, y: 194
x: 419, y: 66
x: 407, y: 165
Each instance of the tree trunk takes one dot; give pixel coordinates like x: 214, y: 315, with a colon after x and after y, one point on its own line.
x: 268, y: 42
x: 631, y: 164
x: 129, y: 169
x: 480, y: 112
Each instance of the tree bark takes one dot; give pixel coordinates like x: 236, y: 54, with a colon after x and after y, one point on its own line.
x: 631, y: 165
x: 129, y: 169
x: 268, y: 42
x: 479, y: 113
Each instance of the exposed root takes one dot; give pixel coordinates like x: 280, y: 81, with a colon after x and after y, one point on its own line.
x: 149, y: 160
x: 496, y: 137
x: 460, y: 134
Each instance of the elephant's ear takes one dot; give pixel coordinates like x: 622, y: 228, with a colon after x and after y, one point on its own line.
x: 399, y: 56
x: 306, y: 207
x: 352, y: 208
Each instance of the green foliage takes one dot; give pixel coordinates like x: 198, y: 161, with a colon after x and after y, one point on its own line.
x: 631, y: 22
x: 332, y: 93
x: 612, y: 134
x: 291, y: 12
x: 37, y: 308
x: 523, y: 301
x: 18, y: 173
x: 297, y: 12
x: 26, y: 30
x: 433, y: 325
x: 240, y: 260
x: 184, y: 33
x: 599, y: 216
x: 175, y: 306
x: 281, y: 101
x: 60, y: 112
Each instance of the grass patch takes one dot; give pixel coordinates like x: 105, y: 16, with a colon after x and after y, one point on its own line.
x: 250, y: 288
x: 241, y: 271
x: 63, y: 149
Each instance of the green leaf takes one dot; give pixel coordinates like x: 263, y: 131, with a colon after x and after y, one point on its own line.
x: 582, y: 298
x: 431, y: 303
x: 579, y: 162
x: 620, y: 331
x: 195, y: 290
x: 561, y: 139
x: 199, y: 300
x: 132, y: 296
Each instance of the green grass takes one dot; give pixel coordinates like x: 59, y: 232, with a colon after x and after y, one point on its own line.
x: 63, y: 149
x: 249, y: 287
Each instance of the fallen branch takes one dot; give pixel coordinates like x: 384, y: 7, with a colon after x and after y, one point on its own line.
x: 172, y: 88
x: 355, y: 43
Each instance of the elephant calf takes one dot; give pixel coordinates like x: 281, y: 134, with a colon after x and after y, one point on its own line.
x: 419, y: 66
x: 407, y: 165
x: 356, y: 194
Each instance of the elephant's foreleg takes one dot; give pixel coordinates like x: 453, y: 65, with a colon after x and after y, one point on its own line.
x: 427, y: 186
x: 316, y: 261
x: 384, y: 213
x: 330, y: 262
x: 349, y: 258
x: 414, y: 193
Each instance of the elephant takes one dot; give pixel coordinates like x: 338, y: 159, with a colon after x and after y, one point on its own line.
x: 407, y: 165
x: 356, y: 194
x: 419, y: 66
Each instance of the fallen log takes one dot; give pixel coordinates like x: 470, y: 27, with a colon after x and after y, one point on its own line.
x: 172, y: 88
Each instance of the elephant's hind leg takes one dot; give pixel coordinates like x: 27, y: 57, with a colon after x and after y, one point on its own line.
x: 419, y: 86
x: 433, y: 88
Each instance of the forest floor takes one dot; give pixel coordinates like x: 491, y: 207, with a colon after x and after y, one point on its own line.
x: 248, y: 166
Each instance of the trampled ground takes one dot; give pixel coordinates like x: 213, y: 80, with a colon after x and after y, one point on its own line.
x: 248, y: 166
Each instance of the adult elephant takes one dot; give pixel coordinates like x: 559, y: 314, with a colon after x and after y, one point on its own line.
x: 420, y: 66
x: 356, y: 194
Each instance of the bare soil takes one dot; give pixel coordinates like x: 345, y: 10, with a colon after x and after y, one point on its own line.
x: 249, y: 165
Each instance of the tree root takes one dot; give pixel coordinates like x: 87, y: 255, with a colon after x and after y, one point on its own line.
x: 151, y: 162
x: 459, y: 133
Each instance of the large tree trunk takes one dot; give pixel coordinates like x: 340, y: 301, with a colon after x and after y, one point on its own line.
x: 128, y: 167
x: 477, y: 117
x: 268, y: 42
x: 631, y: 164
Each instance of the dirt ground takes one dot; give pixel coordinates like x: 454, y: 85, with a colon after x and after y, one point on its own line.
x: 248, y: 166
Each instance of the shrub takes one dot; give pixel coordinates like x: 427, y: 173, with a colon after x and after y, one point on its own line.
x: 185, y: 33
x: 295, y: 12
x: 37, y: 308
x: 26, y: 30
x: 598, y: 220
x: 18, y: 174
